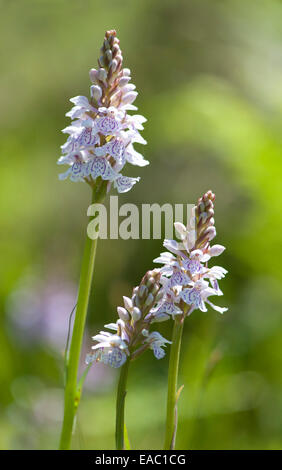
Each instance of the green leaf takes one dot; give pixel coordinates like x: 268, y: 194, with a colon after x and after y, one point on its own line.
x: 126, y: 439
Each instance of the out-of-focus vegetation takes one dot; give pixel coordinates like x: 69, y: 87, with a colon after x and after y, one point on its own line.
x: 209, y: 74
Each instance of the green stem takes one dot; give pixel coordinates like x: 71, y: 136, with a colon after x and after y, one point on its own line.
x: 121, y: 392
x: 171, y: 417
x: 72, y: 394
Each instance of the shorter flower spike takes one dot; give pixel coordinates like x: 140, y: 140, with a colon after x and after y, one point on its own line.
x: 131, y: 335
x: 187, y: 281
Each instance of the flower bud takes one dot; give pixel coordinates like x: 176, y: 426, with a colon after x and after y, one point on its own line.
x: 211, y: 233
x: 113, y: 65
x: 102, y: 75
x: 93, y: 75
x: 101, y: 61
x: 138, y: 302
x: 155, y: 289
x: 151, y: 282
x: 118, y: 58
x: 109, y: 55
x: 149, y: 300
x: 128, y: 98
x: 181, y: 229
x: 216, y: 250
x: 127, y: 88
x: 123, y: 314
x: 115, y: 50
x: 124, y: 81
x: 96, y: 92
x: 128, y: 303
x: 106, y: 45
x: 136, y: 314
x: 142, y: 291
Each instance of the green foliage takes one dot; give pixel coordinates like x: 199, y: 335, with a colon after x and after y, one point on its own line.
x: 209, y: 78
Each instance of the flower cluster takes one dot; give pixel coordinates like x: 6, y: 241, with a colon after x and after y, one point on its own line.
x: 131, y: 335
x: 102, y: 133
x: 187, y: 280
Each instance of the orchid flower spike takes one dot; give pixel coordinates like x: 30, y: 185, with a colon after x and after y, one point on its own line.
x: 187, y: 281
x: 131, y: 335
x: 102, y: 133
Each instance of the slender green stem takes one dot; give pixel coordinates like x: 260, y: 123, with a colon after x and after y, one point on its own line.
x: 72, y: 394
x: 171, y: 417
x: 121, y: 392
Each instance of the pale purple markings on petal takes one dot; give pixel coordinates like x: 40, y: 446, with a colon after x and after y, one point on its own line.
x: 117, y: 149
x: 179, y: 279
x: 158, y: 352
x: 116, y: 358
x: 125, y: 183
x: 192, y: 296
x: 101, y: 167
x: 193, y: 266
x: 107, y: 125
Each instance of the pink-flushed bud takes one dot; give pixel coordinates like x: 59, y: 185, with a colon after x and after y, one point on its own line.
x: 210, y: 233
x: 93, y: 76
x: 116, y: 98
x: 109, y: 55
x: 216, y: 250
x: 128, y: 98
x: 128, y: 88
x: 181, y: 229
x: 115, y: 49
x: 102, y: 75
x: 124, y: 81
x: 119, y: 62
x: 113, y: 65
x: 126, y: 72
x: 96, y: 92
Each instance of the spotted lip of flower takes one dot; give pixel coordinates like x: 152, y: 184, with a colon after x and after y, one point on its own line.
x: 156, y: 342
x: 102, y: 133
x: 111, y: 350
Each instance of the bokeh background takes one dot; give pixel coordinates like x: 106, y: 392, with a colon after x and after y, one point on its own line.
x: 209, y: 76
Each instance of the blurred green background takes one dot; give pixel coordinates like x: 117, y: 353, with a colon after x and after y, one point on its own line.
x: 209, y: 76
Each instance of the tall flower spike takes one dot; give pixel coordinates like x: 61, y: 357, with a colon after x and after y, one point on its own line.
x: 187, y: 280
x: 131, y: 335
x: 102, y: 133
